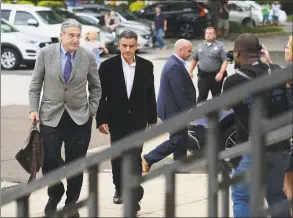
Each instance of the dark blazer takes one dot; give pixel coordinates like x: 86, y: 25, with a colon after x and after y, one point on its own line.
x: 115, y: 109
x: 177, y: 92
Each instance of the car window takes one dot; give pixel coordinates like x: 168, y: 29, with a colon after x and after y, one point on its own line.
x: 88, y: 19
x: 178, y: 7
x: 152, y: 8
x: 6, y: 28
x: 49, y: 17
x: 21, y: 17
x: 5, y: 14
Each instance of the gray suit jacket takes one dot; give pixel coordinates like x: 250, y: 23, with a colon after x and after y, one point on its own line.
x: 56, y: 94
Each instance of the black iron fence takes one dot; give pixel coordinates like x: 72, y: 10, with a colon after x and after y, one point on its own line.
x: 264, y: 133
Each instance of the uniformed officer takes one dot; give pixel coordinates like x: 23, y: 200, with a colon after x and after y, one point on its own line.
x: 212, y: 63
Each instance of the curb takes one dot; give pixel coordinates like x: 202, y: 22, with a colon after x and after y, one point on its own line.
x: 233, y: 36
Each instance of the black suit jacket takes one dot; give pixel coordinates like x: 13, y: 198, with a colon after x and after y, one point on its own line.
x: 115, y: 109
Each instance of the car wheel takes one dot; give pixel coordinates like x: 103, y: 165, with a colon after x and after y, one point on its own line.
x: 10, y: 59
x: 247, y: 22
x: 229, y: 137
x: 186, y: 31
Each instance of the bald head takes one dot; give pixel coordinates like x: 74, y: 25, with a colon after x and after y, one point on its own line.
x: 183, y: 48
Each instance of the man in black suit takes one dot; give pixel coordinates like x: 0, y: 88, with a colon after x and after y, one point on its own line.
x: 177, y: 94
x: 128, y: 102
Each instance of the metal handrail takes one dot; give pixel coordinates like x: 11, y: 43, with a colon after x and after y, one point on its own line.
x: 173, y: 124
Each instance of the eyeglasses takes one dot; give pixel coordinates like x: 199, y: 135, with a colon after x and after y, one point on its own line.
x: 285, y: 47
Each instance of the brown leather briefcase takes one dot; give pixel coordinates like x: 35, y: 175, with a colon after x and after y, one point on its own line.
x: 31, y: 155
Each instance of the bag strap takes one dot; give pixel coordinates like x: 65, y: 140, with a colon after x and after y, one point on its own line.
x: 242, y: 74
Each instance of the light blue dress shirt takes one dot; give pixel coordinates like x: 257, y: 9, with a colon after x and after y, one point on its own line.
x: 64, y: 57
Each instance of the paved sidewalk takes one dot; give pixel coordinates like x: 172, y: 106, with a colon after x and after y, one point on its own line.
x: 191, y: 195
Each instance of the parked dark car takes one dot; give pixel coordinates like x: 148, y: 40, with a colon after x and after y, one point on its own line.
x: 186, y: 19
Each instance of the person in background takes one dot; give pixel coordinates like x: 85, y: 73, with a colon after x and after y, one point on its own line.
x: 212, y: 62
x: 246, y: 54
x: 112, y: 21
x: 160, y: 27
x: 288, y: 178
x: 93, y: 44
x: 276, y: 7
x: 177, y: 94
x: 106, y: 16
x: 266, y: 7
x: 223, y: 23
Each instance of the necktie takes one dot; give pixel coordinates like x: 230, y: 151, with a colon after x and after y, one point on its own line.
x: 68, y: 68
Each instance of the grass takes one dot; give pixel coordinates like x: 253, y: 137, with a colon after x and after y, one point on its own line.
x: 290, y: 18
x: 237, y: 28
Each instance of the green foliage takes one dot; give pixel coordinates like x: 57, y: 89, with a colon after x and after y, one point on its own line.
x: 237, y: 28
x: 51, y: 3
x: 136, y: 6
x: 25, y: 3
x: 290, y: 18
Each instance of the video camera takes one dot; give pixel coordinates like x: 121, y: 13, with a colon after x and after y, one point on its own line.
x: 230, y: 56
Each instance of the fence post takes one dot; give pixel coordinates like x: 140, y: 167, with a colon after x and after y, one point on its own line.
x: 225, y: 191
x: 23, y: 207
x: 170, y: 195
x: 129, y: 180
x: 93, y: 191
x: 212, y: 156
x: 257, y: 169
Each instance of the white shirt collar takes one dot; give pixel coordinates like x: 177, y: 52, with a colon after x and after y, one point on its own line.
x: 180, y: 59
x: 130, y: 65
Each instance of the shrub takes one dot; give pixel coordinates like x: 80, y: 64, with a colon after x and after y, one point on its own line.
x: 290, y: 18
x: 25, y: 3
x: 51, y: 3
x: 238, y: 28
x: 137, y: 6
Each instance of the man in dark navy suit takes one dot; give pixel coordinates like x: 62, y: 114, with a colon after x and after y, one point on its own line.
x: 177, y: 94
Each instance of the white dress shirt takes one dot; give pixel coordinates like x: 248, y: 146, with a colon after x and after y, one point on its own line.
x: 129, y: 71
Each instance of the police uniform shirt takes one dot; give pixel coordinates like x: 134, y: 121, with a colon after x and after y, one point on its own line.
x: 210, y: 56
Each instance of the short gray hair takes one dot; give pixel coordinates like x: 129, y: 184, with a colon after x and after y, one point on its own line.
x: 70, y: 23
x: 128, y: 34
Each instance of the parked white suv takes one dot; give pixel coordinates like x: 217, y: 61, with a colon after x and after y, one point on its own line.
x: 40, y: 21
x: 18, y: 48
x: 241, y: 12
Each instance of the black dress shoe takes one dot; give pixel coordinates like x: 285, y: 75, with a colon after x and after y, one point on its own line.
x: 118, y: 198
x: 138, y: 207
x: 73, y: 211
x: 51, y: 207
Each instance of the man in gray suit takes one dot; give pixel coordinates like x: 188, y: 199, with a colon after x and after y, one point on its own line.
x: 65, y: 112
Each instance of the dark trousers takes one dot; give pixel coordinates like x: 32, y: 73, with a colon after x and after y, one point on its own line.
x: 206, y: 83
x: 177, y: 144
x: 116, y: 134
x: 76, y: 139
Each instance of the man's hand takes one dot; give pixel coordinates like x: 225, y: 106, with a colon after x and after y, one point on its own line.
x: 104, y: 129
x: 34, y: 116
x: 265, y: 56
x: 219, y: 77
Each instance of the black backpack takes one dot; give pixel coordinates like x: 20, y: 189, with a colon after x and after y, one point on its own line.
x: 276, y: 99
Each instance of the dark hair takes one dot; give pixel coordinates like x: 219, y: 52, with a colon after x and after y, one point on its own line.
x: 128, y: 34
